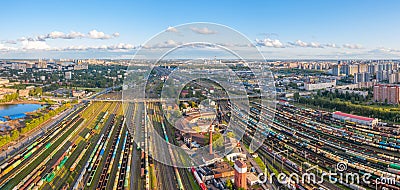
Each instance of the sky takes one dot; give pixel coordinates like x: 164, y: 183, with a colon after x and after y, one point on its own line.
x: 309, y: 29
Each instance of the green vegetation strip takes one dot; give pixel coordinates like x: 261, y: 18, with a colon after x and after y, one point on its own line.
x: 260, y: 163
x: 153, y: 178
x: 15, y: 134
x: 387, y: 114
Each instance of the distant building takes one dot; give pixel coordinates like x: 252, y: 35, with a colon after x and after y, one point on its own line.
x: 387, y: 93
x: 78, y: 93
x: 240, y: 174
x: 361, y: 77
x: 355, y: 118
x: 362, y: 68
x: 42, y: 64
x: 394, y: 78
x: 23, y: 93
x: 336, y: 70
x: 81, y: 67
x: 30, y: 65
x: 317, y: 86
x: 68, y: 75
x: 14, y: 66
x: 18, y: 66
x: 382, y: 75
x: 344, y: 91
x: 350, y: 69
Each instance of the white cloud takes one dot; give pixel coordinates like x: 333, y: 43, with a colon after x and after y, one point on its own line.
x: 331, y: 45
x: 315, y: 45
x: 171, y: 29
x: 73, y: 35
x: 120, y: 46
x: 166, y: 44
x: 34, y: 45
x: 10, y: 42
x: 204, y: 30
x: 94, y: 34
x: 116, y: 34
x: 56, y: 34
x: 352, y: 46
x: 383, y: 50
x: 6, y: 48
x: 299, y: 43
x: 269, y: 43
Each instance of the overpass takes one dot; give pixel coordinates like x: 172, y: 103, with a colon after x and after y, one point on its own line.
x: 135, y: 100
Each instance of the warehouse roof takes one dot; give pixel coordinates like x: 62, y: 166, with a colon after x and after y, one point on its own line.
x: 353, y: 116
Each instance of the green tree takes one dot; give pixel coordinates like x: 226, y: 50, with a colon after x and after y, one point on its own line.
x: 217, y: 139
x: 229, y: 184
x: 296, y: 96
x: 193, y: 104
x: 14, y: 134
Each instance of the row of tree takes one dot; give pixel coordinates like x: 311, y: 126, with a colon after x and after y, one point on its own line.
x: 386, y: 114
x: 353, y: 97
x: 9, y: 97
x: 29, y: 125
x: 4, y: 139
x: 36, y: 92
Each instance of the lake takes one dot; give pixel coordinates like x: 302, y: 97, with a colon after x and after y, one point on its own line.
x: 11, y: 109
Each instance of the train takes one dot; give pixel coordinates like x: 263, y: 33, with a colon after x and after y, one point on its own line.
x: 198, y: 179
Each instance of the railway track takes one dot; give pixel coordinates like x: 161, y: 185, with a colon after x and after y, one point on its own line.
x: 40, y: 149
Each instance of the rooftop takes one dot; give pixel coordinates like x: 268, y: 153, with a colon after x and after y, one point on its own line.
x: 241, y: 163
x: 353, y: 116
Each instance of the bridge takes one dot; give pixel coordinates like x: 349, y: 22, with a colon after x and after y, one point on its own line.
x: 136, y: 100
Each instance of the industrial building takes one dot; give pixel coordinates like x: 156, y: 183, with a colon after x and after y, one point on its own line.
x: 240, y: 174
x: 355, y: 118
x: 317, y: 86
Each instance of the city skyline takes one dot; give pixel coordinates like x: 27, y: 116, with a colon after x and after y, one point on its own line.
x: 281, y: 30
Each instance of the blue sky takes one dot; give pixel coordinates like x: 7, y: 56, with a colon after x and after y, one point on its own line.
x: 113, y: 29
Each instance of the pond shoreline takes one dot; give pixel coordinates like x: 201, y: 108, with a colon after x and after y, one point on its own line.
x: 23, y: 102
x: 7, y: 110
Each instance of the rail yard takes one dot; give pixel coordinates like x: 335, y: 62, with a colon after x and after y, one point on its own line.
x: 92, y: 148
x: 298, y: 139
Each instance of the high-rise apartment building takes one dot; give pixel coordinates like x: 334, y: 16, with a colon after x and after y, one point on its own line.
x: 336, y: 70
x: 387, y: 93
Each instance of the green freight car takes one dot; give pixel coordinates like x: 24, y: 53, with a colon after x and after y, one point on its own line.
x: 394, y: 166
